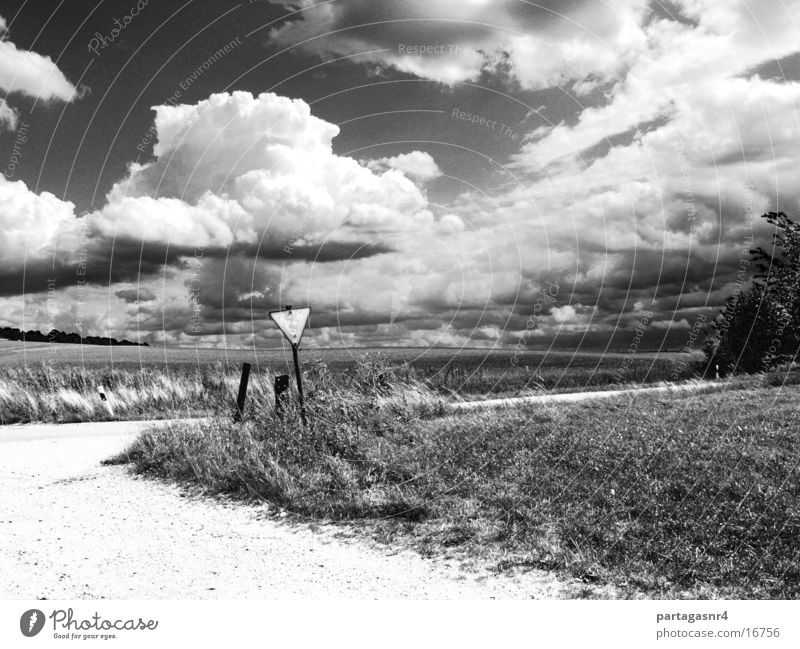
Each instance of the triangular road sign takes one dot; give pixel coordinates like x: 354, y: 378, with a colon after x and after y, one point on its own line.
x: 292, y: 322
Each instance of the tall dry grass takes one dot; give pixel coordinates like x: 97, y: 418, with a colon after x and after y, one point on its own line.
x: 65, y: 393
x: 70, y: 393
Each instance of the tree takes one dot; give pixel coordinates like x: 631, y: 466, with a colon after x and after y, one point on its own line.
x: 759, y: 327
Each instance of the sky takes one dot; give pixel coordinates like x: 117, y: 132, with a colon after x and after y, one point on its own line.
x: 465, y: 173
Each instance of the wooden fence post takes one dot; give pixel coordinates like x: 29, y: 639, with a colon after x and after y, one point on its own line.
x: 237, y: 416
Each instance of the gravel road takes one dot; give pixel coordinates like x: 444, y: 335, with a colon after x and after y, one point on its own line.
x: 71, y: 528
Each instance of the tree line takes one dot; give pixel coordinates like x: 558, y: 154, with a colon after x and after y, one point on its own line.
x: 56, y: 336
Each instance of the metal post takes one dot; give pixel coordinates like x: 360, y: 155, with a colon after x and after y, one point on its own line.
x: 237, y: 416
x: 299, y: 383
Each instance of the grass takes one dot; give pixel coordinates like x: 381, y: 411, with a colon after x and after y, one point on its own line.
x: 494, y: 375
x: 669, y: 497
x: 468, y: 372
x: 60, y: 383
x: 72, y: 394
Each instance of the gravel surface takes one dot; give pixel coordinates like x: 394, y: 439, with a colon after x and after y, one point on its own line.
x: 71, y: 528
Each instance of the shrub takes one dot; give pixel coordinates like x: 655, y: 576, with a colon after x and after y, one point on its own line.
x: 759, y: 327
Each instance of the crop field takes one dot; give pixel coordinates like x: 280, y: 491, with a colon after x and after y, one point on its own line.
x: 430, y: 360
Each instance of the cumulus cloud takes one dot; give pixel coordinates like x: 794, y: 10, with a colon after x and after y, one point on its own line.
x: 246, y: 185
x: 564, y: 314
x: 30, y: 73
x: 35, y: 228
x: 416, y: 164
x: 257, y: 174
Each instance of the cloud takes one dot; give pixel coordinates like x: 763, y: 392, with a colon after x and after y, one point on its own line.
x: 686, y: 77
x: 416, y: 164
x: 211, y: 222
x: 655, y: 191
x: 564, y: 314
x: 8, y: 116
x: 31, y: 74
x: 240, y: 172
x: 643, y: 197
x: 541, y: 44
x: 34, y: 228
x: 249, y: 186
x: 136, y: 294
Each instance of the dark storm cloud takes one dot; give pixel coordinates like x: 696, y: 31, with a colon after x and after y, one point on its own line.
x: 669, y: 270
x: 326, y: 252
x: 99, y: 264
x: 132, y: 261
x: 133, y: 295
x: 335, y: 318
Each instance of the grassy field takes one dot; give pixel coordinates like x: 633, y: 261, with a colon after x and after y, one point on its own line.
x: 661, y: 496
x: 59, y: 382
x: 666, y: 497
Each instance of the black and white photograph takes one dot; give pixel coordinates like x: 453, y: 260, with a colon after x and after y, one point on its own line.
x: 388, y: 302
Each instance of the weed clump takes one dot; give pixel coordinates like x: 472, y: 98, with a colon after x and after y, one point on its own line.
x: 338, y: 465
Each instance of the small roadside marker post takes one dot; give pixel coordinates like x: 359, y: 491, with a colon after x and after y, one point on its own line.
x: 281, y: 385
x: 292, y: 323
x: 102, y: 392
x: 237, y: 416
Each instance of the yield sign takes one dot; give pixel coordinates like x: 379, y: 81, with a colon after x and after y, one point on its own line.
x: 292, y: 322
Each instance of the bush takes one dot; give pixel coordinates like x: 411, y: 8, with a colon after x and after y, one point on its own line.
x: 759, y: 327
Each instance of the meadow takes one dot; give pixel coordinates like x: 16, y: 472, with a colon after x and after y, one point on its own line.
x: 660, y: 496
x: 60, y: 382
x: 664, y: 496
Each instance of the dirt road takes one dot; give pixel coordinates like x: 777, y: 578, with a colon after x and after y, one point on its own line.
x: 690, y: 387
x: 72, y: 528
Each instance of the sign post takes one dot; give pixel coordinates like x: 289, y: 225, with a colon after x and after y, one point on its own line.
x: 292, y: 323
x: 299, y: 384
